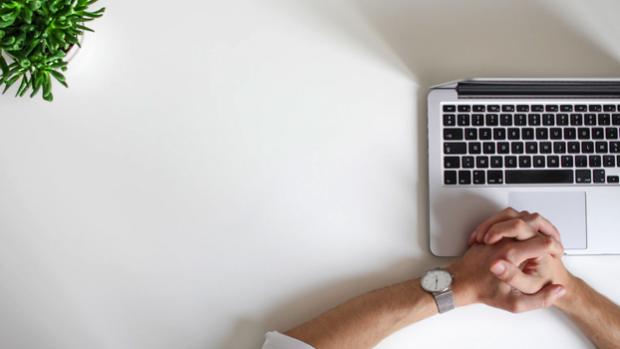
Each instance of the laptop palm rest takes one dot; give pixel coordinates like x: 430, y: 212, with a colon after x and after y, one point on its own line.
x: 566, y: 210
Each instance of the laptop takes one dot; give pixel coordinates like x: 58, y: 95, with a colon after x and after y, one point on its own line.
x: 544, y: 145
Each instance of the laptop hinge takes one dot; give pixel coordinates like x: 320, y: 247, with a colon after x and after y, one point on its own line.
x: 522, y: 89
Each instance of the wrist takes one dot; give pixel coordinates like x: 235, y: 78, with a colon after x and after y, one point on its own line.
x: 572, y: 296
x: 464, y: 291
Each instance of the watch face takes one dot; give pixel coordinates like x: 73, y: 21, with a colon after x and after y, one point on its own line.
x: 436, y: 280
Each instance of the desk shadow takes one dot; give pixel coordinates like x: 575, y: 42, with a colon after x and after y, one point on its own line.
x: 249, y: 332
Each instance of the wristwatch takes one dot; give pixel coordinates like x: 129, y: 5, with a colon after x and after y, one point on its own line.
x: 438, y: 283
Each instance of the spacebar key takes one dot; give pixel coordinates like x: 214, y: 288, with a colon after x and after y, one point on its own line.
x: 539, y: 176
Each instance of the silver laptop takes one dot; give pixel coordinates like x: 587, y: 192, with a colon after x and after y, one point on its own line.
x: 549, y: 146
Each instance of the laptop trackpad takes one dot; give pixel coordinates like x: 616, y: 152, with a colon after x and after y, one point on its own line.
x: 566, y: 210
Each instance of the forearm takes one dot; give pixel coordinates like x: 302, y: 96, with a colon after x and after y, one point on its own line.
x: 364, y: 321
x: 596, y: 315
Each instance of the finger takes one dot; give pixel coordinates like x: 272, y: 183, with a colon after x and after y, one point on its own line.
x: 542, y: 225
x: 515, y: 228
x: 516, y: 278
x: 544, y: 298
x: 517, y: 252
x: 482, y: 228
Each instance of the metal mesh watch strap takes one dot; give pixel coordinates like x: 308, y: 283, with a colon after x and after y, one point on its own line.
x: 444, y: 300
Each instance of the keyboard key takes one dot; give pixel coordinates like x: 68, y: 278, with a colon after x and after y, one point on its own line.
x: 590, y: 119
x: 488, y: 148
x: 567, y: 161
x: 517, y: 147
x: 453, y: 134
x: 463, y: 119
x: 548, y: 119
x: 475, y: 148
x: 583, y: 176
x: 449, y: 120
x: 468, y: 161
x: 594, y: 107
x: 545, y: 147
x: 492, y: 108
x: 527, y: 133
x: 573, y: 148
x: 576, y: 119
x: 505, y: 119
x: 525, y: 161
x: 497, y: 162
x: 464, y: 108
x: 598, y: 133
x: 495, y: 177
x: 613, y: 179
x: 492, y: 120
x: 455, y: 148
x: 609, y: 161
x: 601, y: 147
x: 614, y: 147
x: 539, y: 161
x: 508, y: 108
x: 479, y: 177
x: 482, y: 162
x: 581, y: 107
x: 520, y: 120
x: 583, y: 133
x: 464, y: 177
x: 581, y: 161
x: 559, y: 147
x: 471, y: 134
x: 451, y: 162
x: 538, y: 176
x: 514, y: 133
x: 587, y: 147
x: 553, y: 161
x: 511, y: 161
x: 477, y: 120
x: 555, y: 133
x: 599, y: 176
x: 479, y: 108
x: 533, y: 119
x: 449, y: 177
x: 570, y: 133
x: 566, y: 107
x: 594, y: 160
x: 531, y: 148
x: 615, y: 119
x: 552, y: 107
x: 485, y: 134
x: 523, y: 108
x: 611, y: 133
x: 609, y: 107
x: 537, y: 107
x: 449, y: 108
x: 542, y: 133
x: 503, y: 147
x: 499, y: 133
x: 604, y: 119
x: 561, y: 119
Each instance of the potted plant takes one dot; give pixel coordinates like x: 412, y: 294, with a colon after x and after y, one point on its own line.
x: 35, y: 36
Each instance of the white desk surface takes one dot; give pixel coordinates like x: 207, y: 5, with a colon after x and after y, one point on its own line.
x: 222, y: 168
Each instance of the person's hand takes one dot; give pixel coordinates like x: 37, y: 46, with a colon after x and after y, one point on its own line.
x: 491, y: 274
x: 533, y: 272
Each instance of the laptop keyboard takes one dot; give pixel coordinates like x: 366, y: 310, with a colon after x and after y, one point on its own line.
x: 531, y: 144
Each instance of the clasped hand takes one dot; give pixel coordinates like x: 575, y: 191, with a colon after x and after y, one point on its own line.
x: 513, y: 263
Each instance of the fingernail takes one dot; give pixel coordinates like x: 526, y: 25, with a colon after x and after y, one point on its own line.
x: 498, y: 268
x: 560, y: 291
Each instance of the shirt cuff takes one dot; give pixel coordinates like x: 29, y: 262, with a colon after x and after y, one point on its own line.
x: 276, y: 340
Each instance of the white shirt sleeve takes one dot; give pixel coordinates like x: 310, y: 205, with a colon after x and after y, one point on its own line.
x: 276, y: 340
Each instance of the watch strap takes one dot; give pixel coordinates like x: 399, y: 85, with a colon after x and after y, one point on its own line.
x: 444, y: 300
